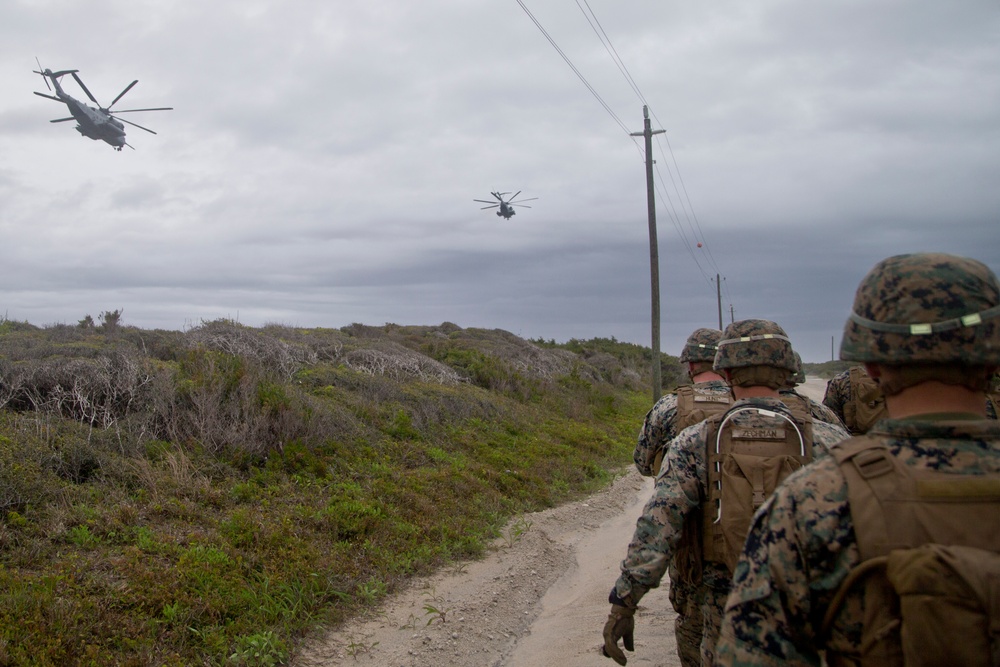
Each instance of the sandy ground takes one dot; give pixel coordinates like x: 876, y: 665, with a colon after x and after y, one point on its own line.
x: 538, y: 599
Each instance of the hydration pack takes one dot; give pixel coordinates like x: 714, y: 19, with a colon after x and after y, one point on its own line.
x: 930, y: 562
x: 751, y: 450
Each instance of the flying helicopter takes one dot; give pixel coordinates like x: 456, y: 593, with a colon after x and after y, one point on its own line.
x: 99, y: 123
x: 506, y: 206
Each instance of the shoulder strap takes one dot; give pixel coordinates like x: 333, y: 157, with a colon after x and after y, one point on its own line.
x: 894, y: 506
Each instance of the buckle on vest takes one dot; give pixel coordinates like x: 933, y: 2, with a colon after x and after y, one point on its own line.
x: 872, y: 463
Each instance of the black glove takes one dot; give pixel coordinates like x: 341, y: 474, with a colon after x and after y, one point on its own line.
x: 619, y: 626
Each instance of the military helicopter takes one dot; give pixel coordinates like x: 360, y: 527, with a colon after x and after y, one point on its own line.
x: 99, y: 123
x: 506, y: 206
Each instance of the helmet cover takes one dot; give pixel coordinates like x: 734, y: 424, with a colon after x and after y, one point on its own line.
x: 925, y: 308
x: 701, y: 345
x: 755, y: 343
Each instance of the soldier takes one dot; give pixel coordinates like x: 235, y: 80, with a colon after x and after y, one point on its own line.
x: 756, y: 358
x: 927, y: 326
x: 856, y: 399
x: 688, y: 405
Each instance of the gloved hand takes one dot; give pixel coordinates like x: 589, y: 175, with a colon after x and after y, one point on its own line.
x: 619, y: 626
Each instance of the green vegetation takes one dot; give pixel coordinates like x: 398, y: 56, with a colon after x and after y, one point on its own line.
x: 211, y: 496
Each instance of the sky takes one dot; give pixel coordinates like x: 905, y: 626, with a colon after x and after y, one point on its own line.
x: 322, y: 160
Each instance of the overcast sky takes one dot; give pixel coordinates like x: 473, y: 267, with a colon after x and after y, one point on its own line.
x: 321, y: 162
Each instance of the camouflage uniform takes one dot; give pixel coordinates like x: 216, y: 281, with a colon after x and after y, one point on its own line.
x: 927, y: 313
x: 761, y: 353
x: 658, y: 429
x: 838, y: 393
x: 802, y: 546
x: 677, y: 494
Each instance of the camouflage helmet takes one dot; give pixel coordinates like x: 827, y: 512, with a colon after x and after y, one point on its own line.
x: 925, y: 308
x: 755, y: 343
x: 798, y: 376
x: 701, y: 345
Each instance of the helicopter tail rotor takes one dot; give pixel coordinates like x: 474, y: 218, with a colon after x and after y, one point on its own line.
x: 42, y: 72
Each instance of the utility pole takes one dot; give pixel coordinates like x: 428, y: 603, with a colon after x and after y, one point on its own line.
x: 718, y: 296
x: 732, y: 314
x: 654, y: 254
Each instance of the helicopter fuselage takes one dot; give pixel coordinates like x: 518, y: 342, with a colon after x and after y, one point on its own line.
x: 92, y: 123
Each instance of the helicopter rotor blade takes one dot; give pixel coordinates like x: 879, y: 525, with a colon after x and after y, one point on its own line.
x: 137, y: 125
x: 484, y: 201
x: 118, y: 111
x: 42, y: 72
x: 51, y: 97
x: 122, y: 94
x: 62, y: 120
x: 521, y: 205
x: 89, y: 94
x: 491, y: 206
x: 521, y: 200
x: 515, y: 195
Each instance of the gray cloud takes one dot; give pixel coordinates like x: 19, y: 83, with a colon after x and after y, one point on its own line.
x: 321, y: 162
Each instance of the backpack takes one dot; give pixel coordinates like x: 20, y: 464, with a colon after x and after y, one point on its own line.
x: 695, y: 404
x: 867, y: 405
x: 930, y: 561
x: 746, y: 462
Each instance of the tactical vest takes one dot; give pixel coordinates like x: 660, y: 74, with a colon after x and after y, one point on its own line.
x: 746, y: 462
x: 695, y: 404
x: 867, y: 405
x: 930, y: 561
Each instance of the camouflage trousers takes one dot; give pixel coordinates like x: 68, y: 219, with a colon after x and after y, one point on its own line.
x: 689, y: 625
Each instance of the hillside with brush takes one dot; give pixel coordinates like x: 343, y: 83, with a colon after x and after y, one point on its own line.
x: 211, y: 496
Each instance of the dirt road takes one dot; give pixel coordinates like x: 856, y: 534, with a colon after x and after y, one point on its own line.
x: 538, y: 600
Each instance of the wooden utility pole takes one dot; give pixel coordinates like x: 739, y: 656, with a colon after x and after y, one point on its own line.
x: 718, y: 296
x: 654, y: 254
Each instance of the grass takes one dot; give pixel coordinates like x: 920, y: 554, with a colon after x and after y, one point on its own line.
x: 230, y: 511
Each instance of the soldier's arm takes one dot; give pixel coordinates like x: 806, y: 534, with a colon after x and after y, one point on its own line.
x: 834, y: 398
x: 825, y: 436
x: 797, y: 551
x: 657, y: 431
x: 757, y: 624
x: 677, y: 492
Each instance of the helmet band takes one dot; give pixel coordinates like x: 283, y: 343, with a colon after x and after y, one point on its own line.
x: 748, y: 339
x: 924, y: 328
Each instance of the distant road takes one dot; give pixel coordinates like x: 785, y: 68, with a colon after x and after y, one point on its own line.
x: 814, y: 388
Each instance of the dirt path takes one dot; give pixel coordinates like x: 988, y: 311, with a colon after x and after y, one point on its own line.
x: 538, y: 599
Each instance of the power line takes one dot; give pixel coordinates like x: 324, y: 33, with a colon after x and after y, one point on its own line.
x: 663, y: 191
x: 573, y: 67
x: 609, y: 47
